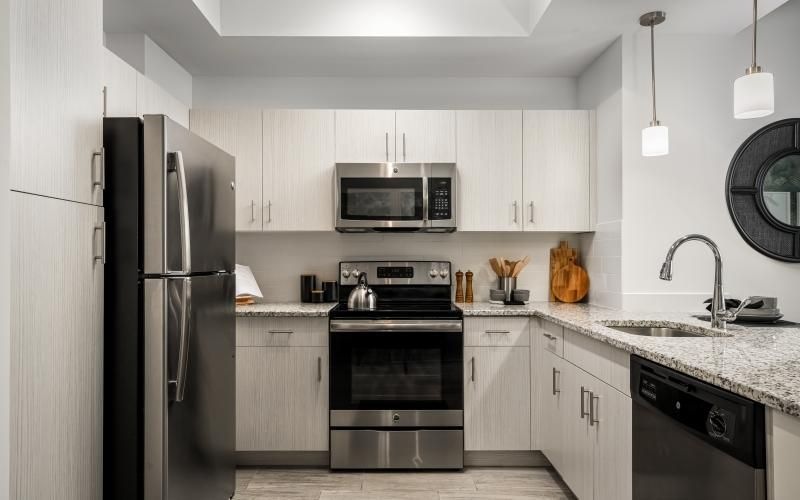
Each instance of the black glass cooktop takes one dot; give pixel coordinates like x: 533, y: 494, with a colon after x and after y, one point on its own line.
x: 401, y: 310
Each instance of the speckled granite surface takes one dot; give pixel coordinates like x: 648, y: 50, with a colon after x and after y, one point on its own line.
x: 286, y: 309
x: 760, y: 363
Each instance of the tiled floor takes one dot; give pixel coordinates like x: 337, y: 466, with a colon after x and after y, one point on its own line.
x: 472, y: 484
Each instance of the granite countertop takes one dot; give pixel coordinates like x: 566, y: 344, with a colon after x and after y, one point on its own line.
x: 286, y: 309
x: 761, y: 363
x: 758, y: 362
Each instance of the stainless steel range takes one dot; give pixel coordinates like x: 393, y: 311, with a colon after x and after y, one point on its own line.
x: 397, y: 372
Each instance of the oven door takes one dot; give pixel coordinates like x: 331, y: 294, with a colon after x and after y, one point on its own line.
x: 399, y: 365
x: 381, y: 196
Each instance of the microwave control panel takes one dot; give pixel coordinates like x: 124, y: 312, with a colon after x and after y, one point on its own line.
x: 439, y: 198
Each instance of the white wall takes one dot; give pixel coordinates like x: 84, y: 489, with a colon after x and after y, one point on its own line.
x: 149, y: 59
x: 385, y: 93
x: 165, y: 71
x: 5, y: 320
x: 666, y: 197
x: 600, y: 89
x: 278, y: 259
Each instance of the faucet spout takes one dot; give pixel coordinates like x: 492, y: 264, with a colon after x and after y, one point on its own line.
x: 719, y: 313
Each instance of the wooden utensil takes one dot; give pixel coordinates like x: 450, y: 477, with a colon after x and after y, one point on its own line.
x: 570, y: 283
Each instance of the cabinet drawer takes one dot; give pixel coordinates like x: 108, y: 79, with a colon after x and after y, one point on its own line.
x: 552, y: 337
x: 609, y: 364
x: 281, y: 332
x: 496, y: 332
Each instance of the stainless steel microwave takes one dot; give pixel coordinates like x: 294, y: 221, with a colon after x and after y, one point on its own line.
x: 396, y: 197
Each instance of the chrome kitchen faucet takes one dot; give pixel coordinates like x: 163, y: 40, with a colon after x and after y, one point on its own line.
x: 720, y: 315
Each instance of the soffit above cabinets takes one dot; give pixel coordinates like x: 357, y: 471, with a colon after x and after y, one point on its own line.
x: 384, y: 18
x: 408, y: 38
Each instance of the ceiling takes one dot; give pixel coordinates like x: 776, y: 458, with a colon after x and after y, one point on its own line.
x: 519, y: 38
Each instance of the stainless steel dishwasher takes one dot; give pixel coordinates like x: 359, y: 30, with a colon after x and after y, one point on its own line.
x: 693, y: 440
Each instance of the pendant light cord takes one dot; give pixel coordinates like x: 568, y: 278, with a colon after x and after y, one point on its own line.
x: 653, y: 70
x: 755, y: 33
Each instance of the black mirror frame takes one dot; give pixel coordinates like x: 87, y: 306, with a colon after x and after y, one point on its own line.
x: 751, y: 162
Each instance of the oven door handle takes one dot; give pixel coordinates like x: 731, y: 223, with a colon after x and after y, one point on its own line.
x: 396, y: 326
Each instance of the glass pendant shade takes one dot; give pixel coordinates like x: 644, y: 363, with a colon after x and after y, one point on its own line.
x: 655, y: 141
x: 753, y: 96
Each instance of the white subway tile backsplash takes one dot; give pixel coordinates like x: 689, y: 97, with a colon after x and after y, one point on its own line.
x: 278, y: 259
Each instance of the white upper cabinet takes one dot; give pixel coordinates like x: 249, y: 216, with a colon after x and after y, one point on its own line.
x: 426, y: 136
x: 119, y: 80
x: 240, y: 134
x: 556, y: 173
x: 365, y: 136
x: 490, y: 170
x: 299, y: 160
x: 56, y: 98
x: 153, y: 100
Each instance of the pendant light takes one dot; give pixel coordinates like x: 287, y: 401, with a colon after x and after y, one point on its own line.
x: 655, y: 138
x: 754, y: 93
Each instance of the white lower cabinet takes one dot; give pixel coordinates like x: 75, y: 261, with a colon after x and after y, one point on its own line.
x: 550, y: 404
x: 281, y: 384
x: 497, y: 408
x: 56, y: 309
x: 281, y: 398
x: 584, y: 427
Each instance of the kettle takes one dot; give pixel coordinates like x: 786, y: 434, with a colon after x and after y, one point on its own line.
x: 362, y: 298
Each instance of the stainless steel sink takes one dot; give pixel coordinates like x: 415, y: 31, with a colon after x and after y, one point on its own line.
x: 654, y: 331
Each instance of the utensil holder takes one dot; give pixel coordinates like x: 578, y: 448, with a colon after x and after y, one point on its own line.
x: 508, y: 285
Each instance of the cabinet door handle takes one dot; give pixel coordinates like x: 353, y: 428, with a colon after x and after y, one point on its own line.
x: 499, y: 332
x: 252, y: 210
x: 516, y: 207
x: 269, y: 211
x: 319, y: 369
x: 472, y: 364
x: 556, y: 388
x: 531, y: 205
x: 102, y: 229
x: 584, y: 392
x: 101, y: 154
x: 105, y: 100
x: 387, y: 146
x: 404, y: 146
x: 281, y: 331
x: 550, y: 337
x: 593, y: 409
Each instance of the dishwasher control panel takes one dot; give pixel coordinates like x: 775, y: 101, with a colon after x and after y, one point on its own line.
x: 726, y: 420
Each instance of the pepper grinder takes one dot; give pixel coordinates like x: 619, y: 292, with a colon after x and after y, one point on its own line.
x: 459, y: 287
x: 469, y: 287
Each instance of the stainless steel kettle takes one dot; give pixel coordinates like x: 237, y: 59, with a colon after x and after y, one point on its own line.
x: 362, y: 298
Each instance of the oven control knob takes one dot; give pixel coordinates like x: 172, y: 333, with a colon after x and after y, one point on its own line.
x: 443, y: 273
x: 345, y: 273
x: 396, y: 417
x: 354, y: 273
x: 434, y: 273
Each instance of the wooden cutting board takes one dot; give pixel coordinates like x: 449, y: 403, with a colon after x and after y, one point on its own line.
x: 559, y: 258
x: 570, y: 283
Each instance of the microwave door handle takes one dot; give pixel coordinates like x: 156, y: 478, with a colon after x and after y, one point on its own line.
x: 183, y: 211
x: 425, y: 200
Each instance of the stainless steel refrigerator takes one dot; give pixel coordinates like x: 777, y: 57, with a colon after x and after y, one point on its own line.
x: 169, y: 424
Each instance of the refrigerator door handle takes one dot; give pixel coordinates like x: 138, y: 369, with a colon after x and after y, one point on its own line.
x: 183, y: 342
x: 183, y: 207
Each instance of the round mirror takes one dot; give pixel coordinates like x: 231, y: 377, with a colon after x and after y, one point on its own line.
x: 781, y: 190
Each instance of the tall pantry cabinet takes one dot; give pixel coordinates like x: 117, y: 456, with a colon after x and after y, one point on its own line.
x: 56, y: 249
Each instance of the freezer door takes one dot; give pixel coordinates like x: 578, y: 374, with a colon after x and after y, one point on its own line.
x: 189, y: 201
x: 189, y: 388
